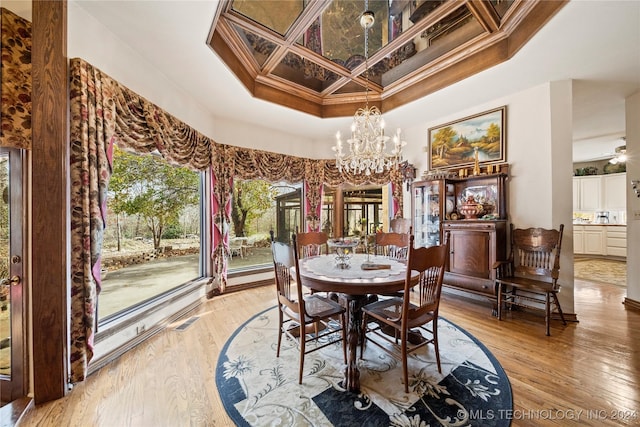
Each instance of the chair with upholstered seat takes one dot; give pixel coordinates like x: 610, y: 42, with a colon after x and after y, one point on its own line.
x: 533, y: 269
x: 305, y: 319
x: 402, y: 317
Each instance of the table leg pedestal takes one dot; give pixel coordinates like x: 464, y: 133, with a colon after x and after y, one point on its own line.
x: 353, y: 303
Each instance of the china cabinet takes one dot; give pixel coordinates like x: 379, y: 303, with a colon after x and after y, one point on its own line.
x: 473, y: 210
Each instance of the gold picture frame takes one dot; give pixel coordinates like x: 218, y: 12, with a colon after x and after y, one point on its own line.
x: 455, y: 144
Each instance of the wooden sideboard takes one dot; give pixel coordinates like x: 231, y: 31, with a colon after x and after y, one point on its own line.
x: 475, y: 244
x: 474, y: 247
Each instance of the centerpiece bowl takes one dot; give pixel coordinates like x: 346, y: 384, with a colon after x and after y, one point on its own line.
x: 344, y: 249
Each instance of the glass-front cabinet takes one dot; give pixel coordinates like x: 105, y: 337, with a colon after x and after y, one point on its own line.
x: 432, y: 201
x: 441, y: 200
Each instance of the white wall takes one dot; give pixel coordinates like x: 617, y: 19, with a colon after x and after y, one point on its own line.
x: 538, y: 150
x: 90, y: 40
x: 632, y: 108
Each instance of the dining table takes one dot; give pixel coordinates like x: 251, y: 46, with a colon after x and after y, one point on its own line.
x: 356, y: 282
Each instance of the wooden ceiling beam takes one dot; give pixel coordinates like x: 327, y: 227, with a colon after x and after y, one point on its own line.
x: 500, y: 40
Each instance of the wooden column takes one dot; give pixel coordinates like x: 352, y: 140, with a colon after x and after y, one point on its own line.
x: 338, y: 212
x: 50, y: 200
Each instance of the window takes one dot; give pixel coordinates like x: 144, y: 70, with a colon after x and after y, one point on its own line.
x: 258, y: 208
x: 152, y: 242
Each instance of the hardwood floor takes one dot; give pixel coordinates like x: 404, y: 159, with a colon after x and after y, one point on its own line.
x: 587, y: 373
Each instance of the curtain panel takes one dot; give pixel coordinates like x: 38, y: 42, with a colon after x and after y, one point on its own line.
x: 92, y: 131
x: 15, y: 81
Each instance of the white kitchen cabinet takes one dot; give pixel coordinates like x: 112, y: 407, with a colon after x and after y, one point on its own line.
x: 600, y: 192
x: 594, y: 240
x: 590, y: 193
x: 614, y: 191
x: 607, y: 240
x: 578, y: 239
x: 576, y: 193
x: 616, y: 240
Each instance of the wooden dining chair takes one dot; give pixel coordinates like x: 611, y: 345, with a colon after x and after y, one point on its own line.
x: 305, y: 319
x: 392, y: 245
x: 533, y: 267
x: 312, y: 243
x: 391, y: 321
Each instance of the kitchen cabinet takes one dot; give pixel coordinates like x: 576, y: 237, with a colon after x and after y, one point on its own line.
x: 578, y: 239
x: 594, y: 240
x: 616, y: 240
x: 614, y: 191
x: 587, y: 193
x: 600, y: 192
x: 606, y: 240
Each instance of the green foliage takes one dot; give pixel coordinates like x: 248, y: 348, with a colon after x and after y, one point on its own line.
x: 148, y: 186
x: 251, y: 199
x: 172, y: 231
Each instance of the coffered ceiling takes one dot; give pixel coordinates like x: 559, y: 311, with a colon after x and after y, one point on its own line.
x: 310, y: 55
x: 594, y: 43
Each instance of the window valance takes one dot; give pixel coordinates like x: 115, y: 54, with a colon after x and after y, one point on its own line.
x: 15, y: 77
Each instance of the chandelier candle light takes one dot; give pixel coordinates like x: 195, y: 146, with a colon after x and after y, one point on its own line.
x: 367, y: 145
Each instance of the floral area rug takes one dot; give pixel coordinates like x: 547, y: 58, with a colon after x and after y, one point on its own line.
x: 601, y: 270
x: 259, y: 389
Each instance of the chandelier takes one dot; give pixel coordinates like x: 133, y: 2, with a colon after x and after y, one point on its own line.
x: 367, y: 150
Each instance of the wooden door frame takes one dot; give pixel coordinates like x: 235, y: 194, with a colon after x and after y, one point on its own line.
x: 15, y: 388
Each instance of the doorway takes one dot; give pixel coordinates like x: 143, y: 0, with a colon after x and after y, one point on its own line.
x: 12, y: 298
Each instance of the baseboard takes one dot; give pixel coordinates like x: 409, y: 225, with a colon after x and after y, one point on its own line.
x: 631, y: 304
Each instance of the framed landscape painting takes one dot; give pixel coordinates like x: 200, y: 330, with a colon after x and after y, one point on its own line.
x: 453, y: 145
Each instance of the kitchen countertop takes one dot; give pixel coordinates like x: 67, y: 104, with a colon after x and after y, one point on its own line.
x: 591, y: 223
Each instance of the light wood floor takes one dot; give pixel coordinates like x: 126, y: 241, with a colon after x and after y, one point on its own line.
x: 592, y: 366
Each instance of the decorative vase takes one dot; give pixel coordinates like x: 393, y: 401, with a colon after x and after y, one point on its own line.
x: 470, y: 210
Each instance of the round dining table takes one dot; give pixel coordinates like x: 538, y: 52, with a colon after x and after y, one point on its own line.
x: 363, y: 277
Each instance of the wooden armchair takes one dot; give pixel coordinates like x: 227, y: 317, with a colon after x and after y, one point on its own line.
x: 532, y: 268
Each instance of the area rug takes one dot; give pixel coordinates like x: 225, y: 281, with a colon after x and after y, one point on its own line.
x: 601, y: 271
x: 258, y: 389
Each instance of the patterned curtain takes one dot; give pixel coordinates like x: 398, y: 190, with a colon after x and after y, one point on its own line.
x: 221, y: 199
x: 103, y: 112
x: 313, y: 186
x: 15, y: 81
x: 396, y: 179
x: 92, y: 133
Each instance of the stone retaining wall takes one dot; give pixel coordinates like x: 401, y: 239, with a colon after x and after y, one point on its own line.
x: 117, y: 261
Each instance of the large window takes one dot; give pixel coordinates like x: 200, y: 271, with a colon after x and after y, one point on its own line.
x: 258, y: 208
x: 152, y: 239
